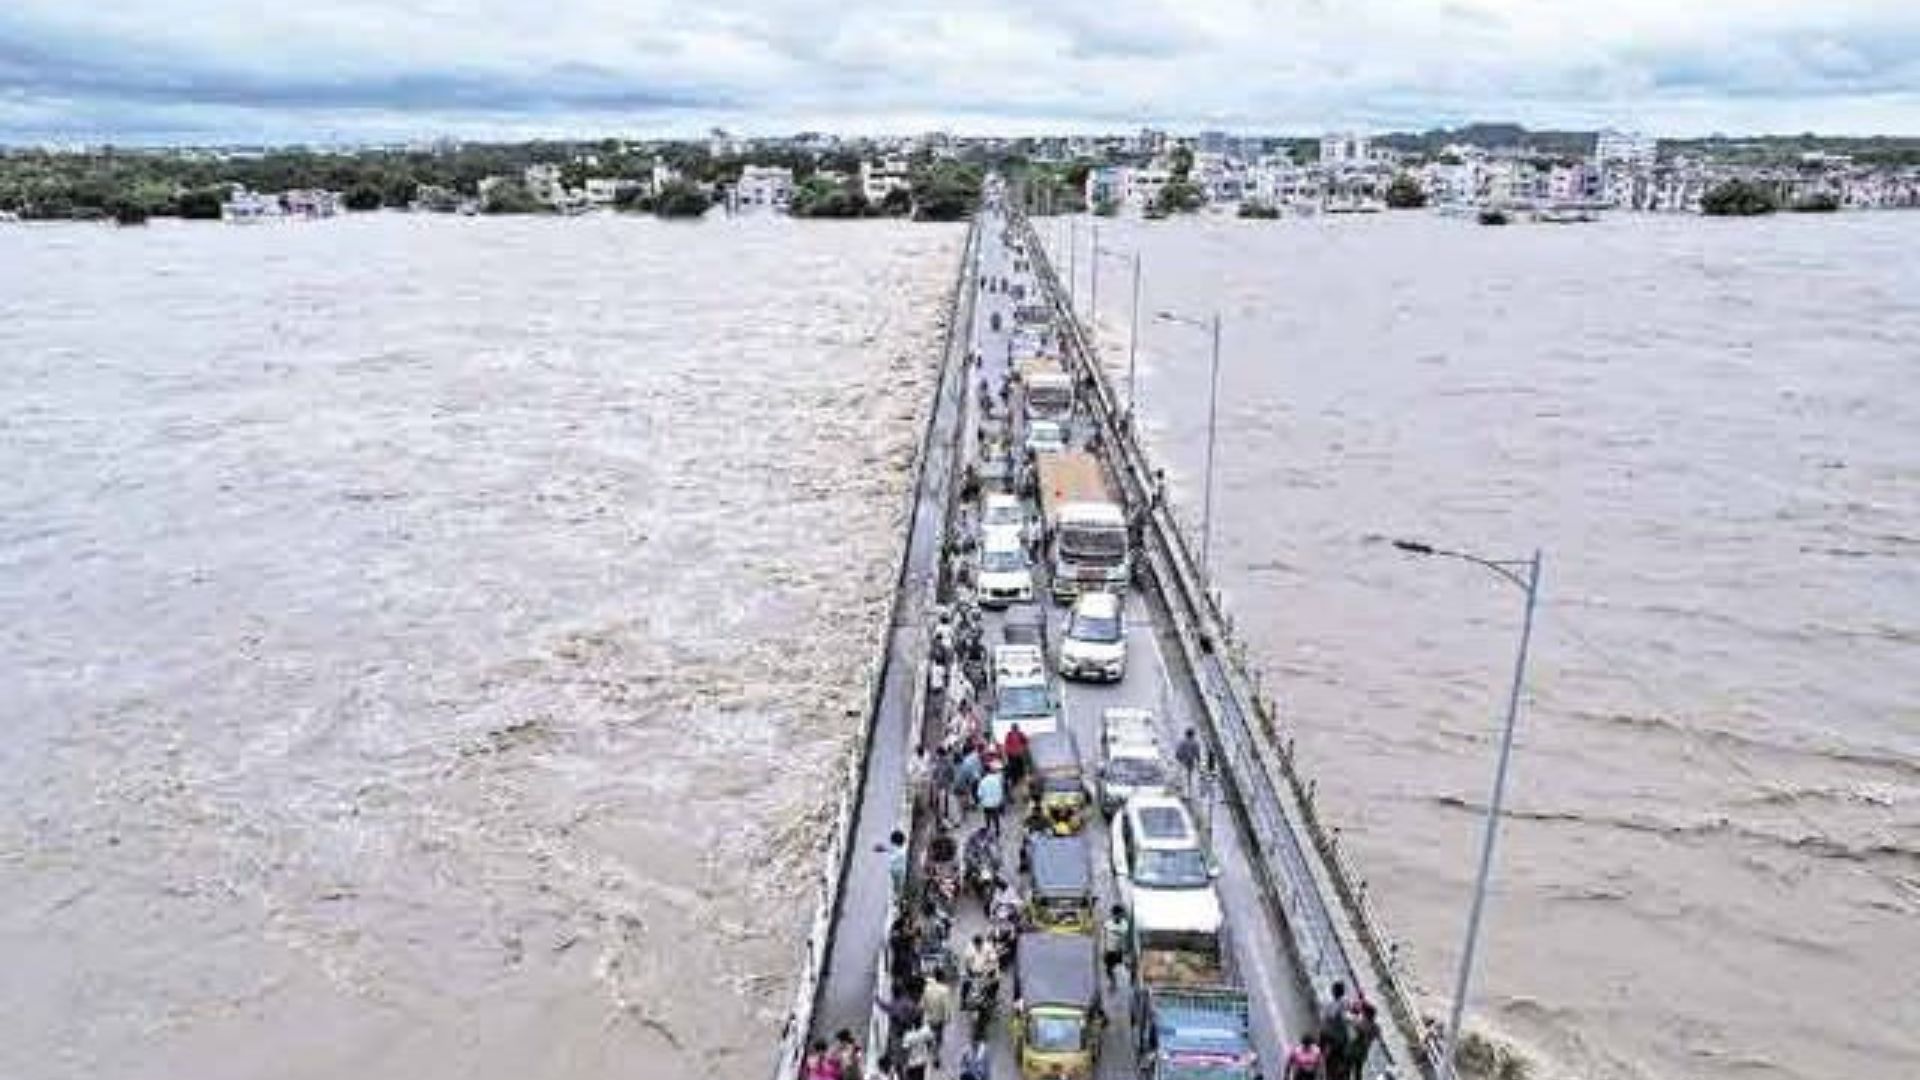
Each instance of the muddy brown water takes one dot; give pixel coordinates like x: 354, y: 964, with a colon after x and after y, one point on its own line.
x: 429, y: 643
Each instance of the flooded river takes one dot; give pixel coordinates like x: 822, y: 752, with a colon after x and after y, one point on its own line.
x: 427, y: 642
x: 1712, y: 867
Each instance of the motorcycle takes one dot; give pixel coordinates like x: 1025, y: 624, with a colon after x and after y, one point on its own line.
x: 982, y: 863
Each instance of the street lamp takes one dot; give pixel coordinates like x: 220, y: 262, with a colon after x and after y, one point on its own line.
x: 1213, y: 414
x: 1133, y: 331
x: 1509, y: 571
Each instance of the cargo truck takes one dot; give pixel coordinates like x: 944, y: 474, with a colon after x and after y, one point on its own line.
x: 1087, y: 540
x: 1046, y: 390
x: 1191, y: 1019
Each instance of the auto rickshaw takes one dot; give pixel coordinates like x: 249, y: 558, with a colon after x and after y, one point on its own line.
x: 1059, y: 883
x: 1057, y: 1017
x: 1059, y: 787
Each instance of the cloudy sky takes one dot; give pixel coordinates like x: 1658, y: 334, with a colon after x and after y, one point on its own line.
x: 226, y: 70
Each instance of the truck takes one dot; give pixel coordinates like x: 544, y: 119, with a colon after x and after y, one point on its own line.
x: 1046, y: 390
x: 1088, y: 545
x: 1191, y: 1018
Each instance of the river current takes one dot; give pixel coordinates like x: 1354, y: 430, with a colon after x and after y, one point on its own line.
x: 429, y: 643
x: 1710, y: 866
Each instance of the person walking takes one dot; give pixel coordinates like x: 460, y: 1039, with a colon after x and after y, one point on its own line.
x: 1364, y: 1031
x: 976, y: 1062
x: 1335, y: 1032
x: 846, y: 1051
x: 940, y: 786
x: 819, y: 1064
x: 916, y: 1047
x: 896, y: 851
x: 1304, y: 1061
x: 1015, y: 747
x: 966, y: 778
x: 992, y: 797
x: 936, y: 1007
x: 1114, y: 933
x: 1188, y: 755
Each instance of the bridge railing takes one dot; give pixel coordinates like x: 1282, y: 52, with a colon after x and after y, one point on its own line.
x: 1245, y: 732
x: 836, y: 861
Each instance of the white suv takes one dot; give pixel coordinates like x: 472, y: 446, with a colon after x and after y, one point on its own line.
x: 1006, y: 574
x: 1161, y: 868
x: 1095, y: 646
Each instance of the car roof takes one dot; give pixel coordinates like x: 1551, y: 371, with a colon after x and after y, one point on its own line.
x: 1003, y: 498
x: 1161, y: 821
x: 1098, y: 604
x: 1002, y: 538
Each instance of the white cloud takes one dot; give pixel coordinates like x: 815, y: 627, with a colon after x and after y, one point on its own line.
x: 588, y: 66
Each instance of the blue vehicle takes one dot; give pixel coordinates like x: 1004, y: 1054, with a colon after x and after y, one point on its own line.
x: 1194, y: 1033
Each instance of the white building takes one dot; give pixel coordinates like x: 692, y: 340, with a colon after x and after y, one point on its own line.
x: 1629, y: 149
x: 543, y: 183
x: 606, y: 190
x: 763, y: 189
x: 1346, y: 148
x: 880, y: 178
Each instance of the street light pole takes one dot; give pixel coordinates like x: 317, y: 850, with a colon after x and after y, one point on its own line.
x: 1531, y: 586
x: 1093, y: 291
x: 1133, y: 335
x: 1213, y: 413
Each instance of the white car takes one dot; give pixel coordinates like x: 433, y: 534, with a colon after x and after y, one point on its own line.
x: 1006, y: 574
x: 1130, y: 759
x: 1021, y: 694
x: 1046, y: 437
x: 1003, y: 510
x: 1161, y: 868
x: 1095, y: 645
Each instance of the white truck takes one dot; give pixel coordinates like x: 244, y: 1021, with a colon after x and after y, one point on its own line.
x: 1087, y: 538
x: 1046, y: 390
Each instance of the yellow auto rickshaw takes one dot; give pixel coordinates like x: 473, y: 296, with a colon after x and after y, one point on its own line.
x: 1057, y: 1017
x: 1059, y: 786
x: 1059, y: 883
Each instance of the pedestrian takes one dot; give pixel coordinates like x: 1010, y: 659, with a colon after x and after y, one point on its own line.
x: 819, y: 1064
x: 1303, y: 1061
x: 903, y: 949
x: 896, y: 851
x: 1335, y: 1032
x: 1188, y: 755
x: 1015, y: 746
x: 846, y: 1050
x: 940, y: 784
x: 918, y: 769
x: 992, y: 796
x: 1115, y: 933
x: 966, y: 778
x: 979, y: 964
x: 1365, y: 1031
x: 976, y: 1062
x: 936, y: 1006
x: 917, y: 1046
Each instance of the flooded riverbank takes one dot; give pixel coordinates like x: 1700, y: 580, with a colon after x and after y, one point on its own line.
x: 1712, y: 868
x: 430, y: 638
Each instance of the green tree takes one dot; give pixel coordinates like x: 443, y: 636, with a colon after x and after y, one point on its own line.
x: 1182, y: 163
x: 1179, y: 197
x: 510, y: 197
x: 1405, y: 193
x: 681, y: 199
x: 1257, y: 210
x: 945, y: 191
x: 897, y: 202
x: 817, y: 196
x: 201, y: 204
x: 364, y: 197
x: 1738, y: 198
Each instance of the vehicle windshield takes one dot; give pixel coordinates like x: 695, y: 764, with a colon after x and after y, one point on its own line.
x: 1003, y: 560
x: 1184, y: 869
x: 1024, y: 701
x: 1099, y: 629
x: 1052, y: 1032
x: 1203, y: 1068
x: 1138, y: 772
x: 1100, y: 543
x: 1003, y: 514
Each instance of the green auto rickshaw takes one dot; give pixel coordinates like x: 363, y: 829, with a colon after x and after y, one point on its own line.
x: 1057, y: 1016
x: 1059, y: 784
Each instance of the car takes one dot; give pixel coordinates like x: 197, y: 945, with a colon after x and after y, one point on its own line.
x: 1003, y: 510
x: 1095, y: 644
x: 1021, y: 692
x: 1161, y: 868
x: 1130, y: 759
x: 1005, y: 571
x: 1045, y: 437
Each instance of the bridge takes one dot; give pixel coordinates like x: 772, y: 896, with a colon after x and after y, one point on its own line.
x: 1297, y: 917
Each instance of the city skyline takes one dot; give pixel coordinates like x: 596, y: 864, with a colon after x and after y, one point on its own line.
x: 214, y: 71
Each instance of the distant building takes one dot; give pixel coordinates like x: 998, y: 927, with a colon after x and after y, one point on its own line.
x: 607, y: 190
x: 543, y: 183
x: 1210, y: 142
x: 1345, y: 148
x: 763, y: 189
x: 880, y: 178
x: 1619, y: 148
